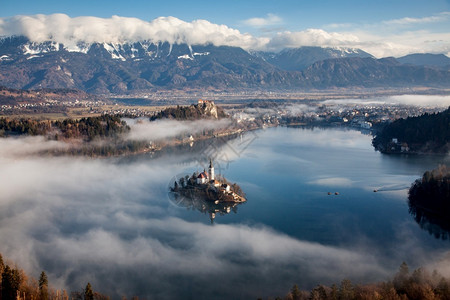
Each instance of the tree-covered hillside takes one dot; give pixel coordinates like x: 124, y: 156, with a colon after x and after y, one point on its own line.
x: 86, y: 128
x: 203, y: 110
x: 429, y: 133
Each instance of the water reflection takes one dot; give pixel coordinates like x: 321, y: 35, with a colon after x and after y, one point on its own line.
x: 210, y: 208
x: 437, y: 226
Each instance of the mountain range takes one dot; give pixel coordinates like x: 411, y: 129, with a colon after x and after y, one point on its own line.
x: 121, y: 68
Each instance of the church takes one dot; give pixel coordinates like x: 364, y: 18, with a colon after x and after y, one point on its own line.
x: 205, y: 177
x: 209, y: 177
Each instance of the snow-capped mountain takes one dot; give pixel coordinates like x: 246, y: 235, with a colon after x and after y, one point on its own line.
x: 147, y: 66
x: 298, y: 59
x: 122, y: 51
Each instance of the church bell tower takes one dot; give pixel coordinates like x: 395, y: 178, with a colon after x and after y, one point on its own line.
x: 211, y: 170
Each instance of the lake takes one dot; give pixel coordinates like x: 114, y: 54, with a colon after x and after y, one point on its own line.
x: 311, y: 217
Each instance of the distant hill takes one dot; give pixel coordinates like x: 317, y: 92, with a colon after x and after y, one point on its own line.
x: 429, y: 133
x: 369, y: 72
x: 298, y: 59
x: 121, y: 68
x: 426, y: 59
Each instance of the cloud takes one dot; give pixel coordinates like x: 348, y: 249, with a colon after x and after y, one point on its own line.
x: 311, y: 37
x: 70, y: 31
x: 421, y: 100
x: 400, y: 37
x: 270, y: 19
x: 386, y: 38
x: 108, y: 222
x: 416, y: 100
x: 161, y: 129
x: 444, y: 16
x: 31, y: 145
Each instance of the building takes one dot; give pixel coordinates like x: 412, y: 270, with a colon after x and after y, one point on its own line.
x: 211, y: 170
x: 226, y: 188
x: 200, y: 101
x: 205, y: 177
x: 202, y: 178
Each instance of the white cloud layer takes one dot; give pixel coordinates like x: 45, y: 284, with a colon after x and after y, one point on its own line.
x: 311, y: 37
x: 409, y: 21
x: 429, y: 101
x: 69, y: 31
x: 271, y: 19
x: 111, y: 224
x: 388, y: 38
x: 162, y: 129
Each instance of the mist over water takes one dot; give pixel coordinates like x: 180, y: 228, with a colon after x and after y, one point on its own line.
x: 110, y: 222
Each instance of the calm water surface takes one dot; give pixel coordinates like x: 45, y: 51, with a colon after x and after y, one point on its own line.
x: 110, y: 221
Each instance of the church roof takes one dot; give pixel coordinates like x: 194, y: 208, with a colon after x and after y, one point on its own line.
x: 202, y: 175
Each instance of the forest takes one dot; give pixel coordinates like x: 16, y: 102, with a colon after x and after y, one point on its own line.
x: 418, y: 284
x: 429, y: 202
x: 428, y: 133
x: 191, y: 112
x: 17, y: 285
x: 86, y: 129
x: 432, y: 191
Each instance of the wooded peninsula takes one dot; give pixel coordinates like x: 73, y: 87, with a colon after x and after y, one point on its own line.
x: 428, y: 133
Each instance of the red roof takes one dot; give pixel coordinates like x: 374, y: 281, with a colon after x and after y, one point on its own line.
x: 202, y: 175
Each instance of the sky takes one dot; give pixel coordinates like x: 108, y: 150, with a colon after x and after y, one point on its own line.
x: 383, y: 28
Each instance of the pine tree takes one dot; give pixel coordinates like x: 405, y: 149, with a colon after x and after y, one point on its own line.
x: 401, y: 278
x: 2, y: 266
x: 346, y: 290
x: 334, y: 292
x: 296, y: 293
x: 443, y: 289
x: 9, y: 286
x: 318, y: 293
x: 88, y: 293
x: 43, y: 286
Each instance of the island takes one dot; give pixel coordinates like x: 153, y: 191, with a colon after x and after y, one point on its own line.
x: 207, y: 192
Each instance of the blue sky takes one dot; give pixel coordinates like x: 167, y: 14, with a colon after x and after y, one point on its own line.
x: 295, y: 14
x: 394, y: 20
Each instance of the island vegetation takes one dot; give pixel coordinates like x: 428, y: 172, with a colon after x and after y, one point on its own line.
x: 208, y: 186
x: 428, y: 133
x: 207, y: 198
x: 429, y: 201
